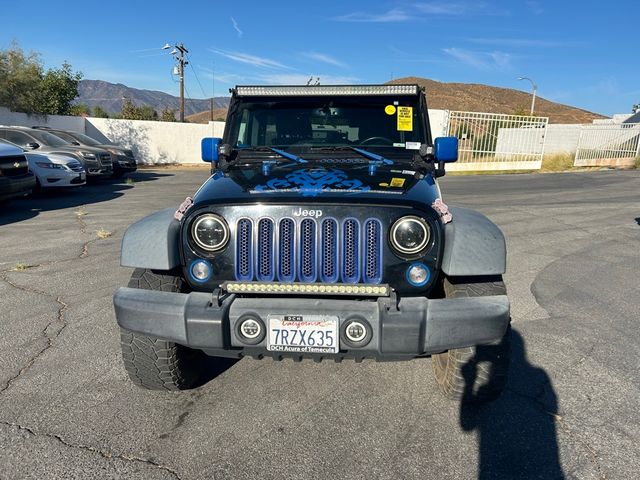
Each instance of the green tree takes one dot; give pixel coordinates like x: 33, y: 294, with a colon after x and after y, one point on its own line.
x: 100, y: 112
x: 635, y: 108
x: 168, y: 115
x: 28, y: 88
x: 80, y: 110
x: 58, y: 88
x: 132, y: 112
x: 20, y: 76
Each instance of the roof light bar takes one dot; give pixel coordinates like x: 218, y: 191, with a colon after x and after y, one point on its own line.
x: 321, y: 90
x: 307, y: 288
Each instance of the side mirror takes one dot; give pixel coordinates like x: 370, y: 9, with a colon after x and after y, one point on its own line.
x: 445, y: 149
x: 32, y: 146
x: 209, y: 148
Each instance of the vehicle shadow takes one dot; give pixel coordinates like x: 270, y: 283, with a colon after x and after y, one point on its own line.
x: 94, y: 192
x: 517, y: 432
x: 213, y: 367
x: 637, y: 219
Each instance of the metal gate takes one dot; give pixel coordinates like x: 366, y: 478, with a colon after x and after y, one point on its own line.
x: 490, y: 141
x: 608, y: 145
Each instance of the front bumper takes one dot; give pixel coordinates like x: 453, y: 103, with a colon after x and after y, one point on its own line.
x: 416, y: 326
x: 11, y: 187
x: 60, y: 178
x: 123, y: 164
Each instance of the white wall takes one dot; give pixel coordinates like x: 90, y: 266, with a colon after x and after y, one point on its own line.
x: 562, y: 138
x: 438, y: 121
x: 155, y: 142
x: 7, y: 117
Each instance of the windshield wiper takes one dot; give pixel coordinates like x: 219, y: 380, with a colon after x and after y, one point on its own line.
x: 370, y: 155
x: 277, y: 151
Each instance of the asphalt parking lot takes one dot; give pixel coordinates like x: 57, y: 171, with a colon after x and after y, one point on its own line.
x: 67, y: 409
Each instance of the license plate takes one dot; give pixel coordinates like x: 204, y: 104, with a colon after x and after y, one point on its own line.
x: 303, y: 333
x: 82, y: 177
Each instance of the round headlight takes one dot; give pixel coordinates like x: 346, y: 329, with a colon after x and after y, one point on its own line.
x: 210, y: 232
x: 410, y: 235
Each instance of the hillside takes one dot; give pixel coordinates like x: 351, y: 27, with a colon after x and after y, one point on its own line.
x: 109, y: 96
x: 474, y: 97
x: 219, y: 114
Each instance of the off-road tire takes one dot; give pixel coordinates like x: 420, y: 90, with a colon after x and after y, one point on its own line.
x: 153, y: 363
x: 474, y: 374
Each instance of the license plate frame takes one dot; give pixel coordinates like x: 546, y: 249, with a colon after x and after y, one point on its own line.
x: 303, y: 333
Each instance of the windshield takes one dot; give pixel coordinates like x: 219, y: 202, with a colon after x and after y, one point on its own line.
x: 311, y: 123
x: 80, y: 138
x: 49, y: 139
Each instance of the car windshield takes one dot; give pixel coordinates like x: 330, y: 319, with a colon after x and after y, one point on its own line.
x: 82, y: 138
x: 308, y: 124
x: 49, y: 139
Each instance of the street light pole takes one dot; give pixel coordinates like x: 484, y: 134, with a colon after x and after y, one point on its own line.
x: 535, y: 89
x: 181, y: 50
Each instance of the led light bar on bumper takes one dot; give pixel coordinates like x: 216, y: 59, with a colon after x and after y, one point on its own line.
x: 321, y: 90
x: 276, y: 288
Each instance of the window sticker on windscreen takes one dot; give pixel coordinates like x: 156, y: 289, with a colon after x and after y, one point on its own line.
x: 405, y: 119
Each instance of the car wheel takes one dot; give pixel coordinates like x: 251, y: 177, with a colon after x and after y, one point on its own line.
x: 153, y: 363
x: 475, y: 374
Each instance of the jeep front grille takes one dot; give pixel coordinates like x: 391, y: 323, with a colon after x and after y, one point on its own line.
x: 309, y: 250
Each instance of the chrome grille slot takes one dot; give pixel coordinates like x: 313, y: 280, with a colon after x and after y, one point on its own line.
x: 265, y: 270
x: 244, y: 251
x: 329, y: 251
x: 307, y: 250
x: 350, y: 251
x: 286, y: 243
x: 372, y: 260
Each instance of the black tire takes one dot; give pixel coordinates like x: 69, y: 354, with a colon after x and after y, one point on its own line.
x: 153, y: 363
x: 474, y: 374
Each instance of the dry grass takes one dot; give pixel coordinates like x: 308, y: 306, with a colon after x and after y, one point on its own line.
x: 129, y: 181
x: 102, y: 234
x: 81, y: 212
x: 19, y: 267
x: 558, y: 162
x: 636, y: 163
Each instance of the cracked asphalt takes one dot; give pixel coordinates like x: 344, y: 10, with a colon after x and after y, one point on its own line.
x: 67, y: 409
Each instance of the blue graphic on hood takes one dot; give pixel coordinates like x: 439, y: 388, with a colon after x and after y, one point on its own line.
x: 312, y: 181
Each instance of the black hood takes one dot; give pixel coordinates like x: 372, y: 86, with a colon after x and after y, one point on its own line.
x: 343, y: 182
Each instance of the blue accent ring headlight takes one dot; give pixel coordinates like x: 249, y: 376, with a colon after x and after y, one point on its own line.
x: 418, y: 274
x: 200, y: 271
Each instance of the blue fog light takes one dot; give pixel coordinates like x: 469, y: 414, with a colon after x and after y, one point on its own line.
x: 200, y: 271
x: 418, y: 274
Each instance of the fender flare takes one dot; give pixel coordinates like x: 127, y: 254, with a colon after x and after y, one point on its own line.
x: 152, y: 242
x: 473, y: 245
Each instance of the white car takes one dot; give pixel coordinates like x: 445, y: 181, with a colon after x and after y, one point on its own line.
x: 54, y: 170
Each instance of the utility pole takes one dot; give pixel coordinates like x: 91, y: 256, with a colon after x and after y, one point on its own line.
x: 535, y: 89
x: 179, y: 52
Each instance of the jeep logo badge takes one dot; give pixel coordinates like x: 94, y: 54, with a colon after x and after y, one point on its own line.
x: 307, y: 213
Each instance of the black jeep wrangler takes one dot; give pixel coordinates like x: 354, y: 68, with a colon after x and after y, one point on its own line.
x: 320, y: 234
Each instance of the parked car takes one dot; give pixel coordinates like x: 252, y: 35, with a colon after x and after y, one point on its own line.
x: 123, y: 159
x: 321, y: 234
x: 96, y: 161
x: 54, y: 170
x: 15, y: 178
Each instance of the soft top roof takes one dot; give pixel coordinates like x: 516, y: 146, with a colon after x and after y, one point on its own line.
x: 323, y: 90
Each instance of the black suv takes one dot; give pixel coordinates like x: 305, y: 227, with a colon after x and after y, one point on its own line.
x: 123, y: 159
x: 96, y: 161
x: 320, y: 234
x: 15, y: 178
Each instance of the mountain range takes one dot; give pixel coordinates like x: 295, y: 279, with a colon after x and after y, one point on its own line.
x: 110, y: 96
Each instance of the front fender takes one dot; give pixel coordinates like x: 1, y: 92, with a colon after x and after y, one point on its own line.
x: 473, y: 245
x: 152, y: 242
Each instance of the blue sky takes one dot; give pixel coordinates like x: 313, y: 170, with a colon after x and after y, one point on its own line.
x: 582, y: 53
